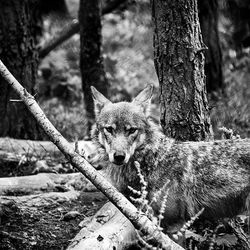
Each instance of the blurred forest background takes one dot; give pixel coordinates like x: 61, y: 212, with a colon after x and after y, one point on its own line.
x: 127, y: 51
x: 129, y: 66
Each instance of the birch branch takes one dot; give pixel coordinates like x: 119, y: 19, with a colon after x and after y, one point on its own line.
x: 139, y: 220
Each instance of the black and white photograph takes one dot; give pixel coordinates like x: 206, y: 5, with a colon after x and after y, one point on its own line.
x: 124, y: 124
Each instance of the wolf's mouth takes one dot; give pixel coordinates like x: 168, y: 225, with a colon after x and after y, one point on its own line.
x: 119, y: 163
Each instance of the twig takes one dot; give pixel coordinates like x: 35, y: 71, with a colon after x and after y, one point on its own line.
x: 72, y: 29
x: 15, y: 100
x: 188, y: 224
x: 240, y: 234
x: 140, y: 221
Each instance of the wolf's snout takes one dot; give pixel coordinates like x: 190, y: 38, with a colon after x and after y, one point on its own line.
x: 119, y: 157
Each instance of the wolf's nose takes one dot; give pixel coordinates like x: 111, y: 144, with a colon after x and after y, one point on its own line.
x: 119, y: 157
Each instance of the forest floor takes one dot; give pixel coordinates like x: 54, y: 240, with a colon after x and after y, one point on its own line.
x: 128, y: 59
x: 45, y: 227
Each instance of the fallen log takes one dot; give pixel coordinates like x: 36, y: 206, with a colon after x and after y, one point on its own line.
x: 107, y: 229
x: 39, y: 149
x: 44, y: 182
x: 15, y: 158
x: 37, y: 200
x: 27, y: 157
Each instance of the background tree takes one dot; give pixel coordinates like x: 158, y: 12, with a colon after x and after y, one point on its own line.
x: 91, y: 62
x: 179, y: 63
x: 18, y: 52
x: 239, y: 13
x: 57, y: 7
x: 208, y: 16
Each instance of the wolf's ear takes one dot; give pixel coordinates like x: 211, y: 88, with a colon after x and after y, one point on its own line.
x: 99, y: 100
x: 144, y: 99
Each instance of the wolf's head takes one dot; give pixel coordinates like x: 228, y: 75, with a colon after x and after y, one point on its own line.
x: 121, y: 127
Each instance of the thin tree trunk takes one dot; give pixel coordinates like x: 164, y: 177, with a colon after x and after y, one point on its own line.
x: 208, y: 15
x: 18, y: 52
x: 91, y: 62
x: 179, y: 63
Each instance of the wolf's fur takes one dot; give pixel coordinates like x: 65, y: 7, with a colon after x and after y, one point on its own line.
x: 214, y: 175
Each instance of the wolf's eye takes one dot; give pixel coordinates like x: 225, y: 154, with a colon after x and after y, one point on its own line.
x: 109, y: 130
x: 132, y: 131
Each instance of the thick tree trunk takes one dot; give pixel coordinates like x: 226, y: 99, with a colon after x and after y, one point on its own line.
x: 18, y: 52
x: 208, y: 15
x: 179, y: 63
x: 91, y: 62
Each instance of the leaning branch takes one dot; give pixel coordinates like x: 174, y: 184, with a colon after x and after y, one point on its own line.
x: 139, y: 220
x: 72, y: 29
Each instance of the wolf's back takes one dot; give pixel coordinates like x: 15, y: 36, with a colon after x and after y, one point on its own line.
x: 214, y: 175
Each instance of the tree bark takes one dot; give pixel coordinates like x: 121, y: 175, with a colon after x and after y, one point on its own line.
x: 91, y: 62
x: 18, y: 52
x: 208, y: 15
x: 179, y: 63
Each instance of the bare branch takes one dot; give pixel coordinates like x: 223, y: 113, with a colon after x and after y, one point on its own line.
x: 139, y: 220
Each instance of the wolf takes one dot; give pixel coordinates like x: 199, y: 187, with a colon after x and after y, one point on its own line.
x: 213, y: 175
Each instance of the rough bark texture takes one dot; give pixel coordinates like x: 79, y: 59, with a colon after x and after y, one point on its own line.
x: 208, y: 15
x: 18, y: 52
x: 91, y: 61
x: 179, y: 63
